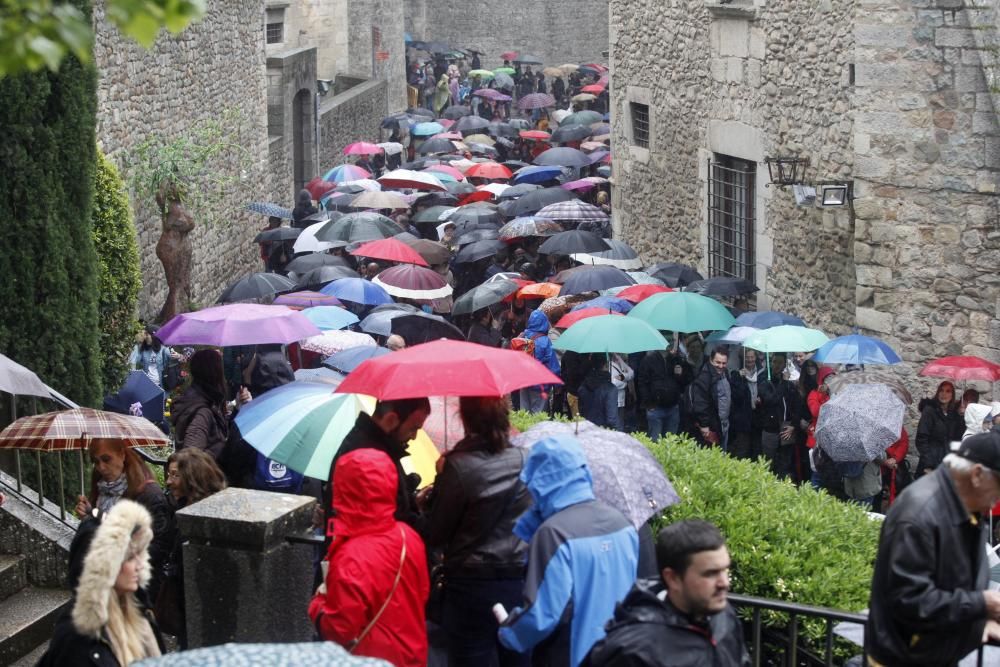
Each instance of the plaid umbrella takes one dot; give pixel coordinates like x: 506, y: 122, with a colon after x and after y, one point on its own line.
x: 74, y: 429
x: 270, y: 209
x: 573, y: 210
x: 859, y: 423
x: 529, y: 226
x: 536, y: 101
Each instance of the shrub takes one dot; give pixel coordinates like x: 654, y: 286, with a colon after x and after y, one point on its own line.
x: 119, y: 276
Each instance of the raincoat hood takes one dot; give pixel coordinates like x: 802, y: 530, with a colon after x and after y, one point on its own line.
x: 364, y: 493
x: 538, y: 323
x: 557, y: 476
x: 975, y: 414
x: 823, y: 374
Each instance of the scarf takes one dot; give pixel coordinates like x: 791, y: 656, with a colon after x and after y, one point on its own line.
x: 109, y: 493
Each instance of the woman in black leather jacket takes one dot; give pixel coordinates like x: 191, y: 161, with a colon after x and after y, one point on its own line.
x: 477, y: 497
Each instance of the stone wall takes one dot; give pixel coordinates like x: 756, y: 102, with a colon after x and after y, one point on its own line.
x: 385, y: 59
x: 558, y: 31
x: 322, y: 24
x: 291, y: 119
x: 351, y: 116
x: 214, y: 66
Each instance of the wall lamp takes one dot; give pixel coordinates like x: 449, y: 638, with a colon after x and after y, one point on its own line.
x: 833, y: 194
x: 785, y: 171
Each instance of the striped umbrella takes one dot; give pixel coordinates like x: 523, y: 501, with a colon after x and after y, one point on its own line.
x: 572, y: 210
x: 345, y: 172
x: 74, y: 429
x: 536, y: 101
x: 409, y: 281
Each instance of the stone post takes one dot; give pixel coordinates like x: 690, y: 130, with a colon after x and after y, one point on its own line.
x: 243, y: 581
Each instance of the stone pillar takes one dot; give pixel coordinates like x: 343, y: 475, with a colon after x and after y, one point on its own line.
x: 243, y: 581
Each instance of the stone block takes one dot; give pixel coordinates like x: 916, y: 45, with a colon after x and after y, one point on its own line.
x: 863, y: 296
x: 882, y: 36
x: 962, y: 38
x: 969, y: 79
x: 734, y: 37
x: 734, y: 70
x: 874, y: 276
x: 873, y: 320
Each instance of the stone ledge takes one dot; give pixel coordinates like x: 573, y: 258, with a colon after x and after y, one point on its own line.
x: 247, y: 519
x: 735, y: 9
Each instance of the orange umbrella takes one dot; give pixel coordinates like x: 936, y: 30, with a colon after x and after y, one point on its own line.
x: 489, y: 170
x: 539, y: 291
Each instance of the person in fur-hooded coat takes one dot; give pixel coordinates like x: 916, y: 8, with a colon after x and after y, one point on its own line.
x: 107, y: 623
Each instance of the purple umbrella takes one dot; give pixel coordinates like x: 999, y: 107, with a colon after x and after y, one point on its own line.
x: 237, y: 324
x: 492, y: 94
x: 536, y: 101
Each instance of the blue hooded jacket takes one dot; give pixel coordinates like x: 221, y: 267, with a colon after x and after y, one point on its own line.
x: 582, y: 557
x: 538, y: 330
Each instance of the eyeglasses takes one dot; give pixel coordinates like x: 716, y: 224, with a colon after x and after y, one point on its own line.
x: 173, y: 474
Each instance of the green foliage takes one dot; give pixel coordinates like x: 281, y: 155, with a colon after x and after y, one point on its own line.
x: 49, y: 289
x: 119, y: 276
x: 36, y: 34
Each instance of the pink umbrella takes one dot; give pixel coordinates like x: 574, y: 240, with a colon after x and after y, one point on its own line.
x: 445, y: 122
x: 409, y: 281
x: 492, y: 94
x: 447, y: 169
x: 237, y: 324
x: 457, y: 136
x: 536, y: 101
x: 362, y: 148
x: 578, y: 185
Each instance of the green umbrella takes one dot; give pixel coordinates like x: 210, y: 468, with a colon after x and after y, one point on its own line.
x: 358, y: 227
x: 786, y: 338
x: 683, y: 311
x: 504, y: 70
x: 432, y: 214
x: 611, y: 333
x: 484, y: 74
x: 585, y: 117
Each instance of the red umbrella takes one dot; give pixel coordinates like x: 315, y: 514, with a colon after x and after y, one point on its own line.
x: 535, y: 134
x: 569, y: 319
x: 508, y: 55
x: 488, y: 170
x: 317, y: 187
x: 963, y: 368
x: 362, y: 148
x: 391, y: 250
x: 637, y: 293
x: 447, y: 169
x: 594, y: 89
x: 472, y: 197
x: 447, y: 368
x: 408, y: 281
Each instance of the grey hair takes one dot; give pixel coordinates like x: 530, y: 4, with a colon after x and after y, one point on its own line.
x: 957, y: 463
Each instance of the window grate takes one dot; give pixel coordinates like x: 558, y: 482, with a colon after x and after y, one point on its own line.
x: 731, y: 213
x: 640, y: 124
x: 275, y: 33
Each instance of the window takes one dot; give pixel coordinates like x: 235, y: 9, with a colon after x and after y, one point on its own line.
x: 275, y: 33
x: 640, y: 124
x: 731, y: 212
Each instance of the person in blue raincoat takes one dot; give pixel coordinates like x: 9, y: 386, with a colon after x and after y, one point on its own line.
x: 582, y: 558
x: 536, y: 399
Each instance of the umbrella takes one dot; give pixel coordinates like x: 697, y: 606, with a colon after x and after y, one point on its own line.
x: 348, y: 359
x: 535, y: 201
x: 529, y: 226
x: 593, y: 279
x: 332, y: 342
x: 963, y: 368
x: 74, y: 429
x: 580, y: 184
x: 840, y: 381
x: 608, y: 333
x: 484, y: 74
x: 536, y: 101
x: 571, y: 133
x: 564, y: 157
x: 767, y: 319
x: 408, y: 281
x: 414, y: 180
x: 673, y: 274
x: 420, y: 327
x: 358, y: 227
x: 594, y: 89
x: 432, y: 251
x: 324, y: 274
x: 436, y: 145
x: 574, y: 210
x: 357, y: 290
x: 525, y: 59
x: 330, y: 318
x: 482, y: 296
x: 426, y: 129
x: 571, y: 318
x: 684, y: 312
x: 538, y: 174
x: 495, y: 189
x: 431, y: 214
x: 278, y: 234
x: 19, y: 380
x: 460, y: 188
x: 478, y: 250
x: 554, y: 71
x: 625, y: 474
x: 471, y: 124
x: 343, y: 173
x: 456, y: 111
x: 734, y: 336
x: 860, y: 422
x: 306, y: 263
x: 504, y: 70
x: 362, y: 148
x: 489, y: 170
x: 306, y: 300
x: 340, y: 201
x: 420, y: 111
x: 441, y: 170
x: 534, y: 135
x: 620, y: 255
x: 391, y: 147
x: 447, y: 368
x: 305, y: 654
x: 639, y: 293
x: 503, y: 81
x: 608, y: 303
x: 237, y: 324
x: 573, y: 241
x: 722, y: 286
x: 271, y: 210
x: 317, y: 187
x: 519, y: 190
x: 467, y: 217
x: 324, y: 375
x: 137, y: 391
x: 389, y: 200
x: 586, y: 117
x: 539, y: 291
x: 499, y: 128
x: 391, y: 250
x: 584, y: 97
x: 472, y: 140
x: 787, y: 338
x: 855, y: 349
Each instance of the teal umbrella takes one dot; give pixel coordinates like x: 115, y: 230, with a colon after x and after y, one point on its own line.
x: 611, y: 333
x: 685, y: 312
x: 786, y: 338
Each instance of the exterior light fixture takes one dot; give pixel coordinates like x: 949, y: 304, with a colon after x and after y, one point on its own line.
x: 834, y: 194
x: 785, y: 171
x: 323, y: 86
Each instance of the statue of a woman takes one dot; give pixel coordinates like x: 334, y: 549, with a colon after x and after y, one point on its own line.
x: 174, y: 250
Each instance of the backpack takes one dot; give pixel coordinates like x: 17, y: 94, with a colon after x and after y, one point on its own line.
x: 522, y: 344
x: 269, y: 475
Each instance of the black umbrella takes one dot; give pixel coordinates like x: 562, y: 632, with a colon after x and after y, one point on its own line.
x: 358, y: 227
x: 435, y: 199
x: 674, y: 274
x: 722, y: 286
x: 417, y: 328
x: 324, y: 274
x: 470, y: 124
x: 483, y: 296
x: 519, y: 190
x: 278, y: 234
x: 456, y: 111
x: 571, y: 242
x: 514, y: 165
x: 430, y: 215
x: 420, y: 111
x: 420, y: 163
x: 593, y: 279
x: 478, y: 249
x: 138, y: 388
x: 482, y: 149
x: 322, y: 216
x: 438, y: 145
x: 571, y: 133
x: 306, y: 263
x: 501, y: 129
x: 432, y: 251
x: 468, y: 217
x: 460, y: 187
x: 563, y: 156
x: 533, y: 202
x: 525, y: 59
x: 255, y: 286
x: 394, y: 306
x: 399, y: 120
x: 340, y: 202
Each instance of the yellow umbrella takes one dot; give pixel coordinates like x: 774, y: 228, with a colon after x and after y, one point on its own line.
x: 423, y: 458
x: 553, y: 71
x: 479, y: 139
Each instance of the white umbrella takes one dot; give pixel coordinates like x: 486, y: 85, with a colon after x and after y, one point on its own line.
x: 495, y: 189
x: 307, y: 241
x: 18, y: 380
x: 391, y: 147
x: 366, y: 183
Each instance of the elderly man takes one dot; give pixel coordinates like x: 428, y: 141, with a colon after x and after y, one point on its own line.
x: 395, y: 343
x: 929, y: 599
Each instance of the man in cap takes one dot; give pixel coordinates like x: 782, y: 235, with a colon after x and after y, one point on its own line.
x: 929, y: 599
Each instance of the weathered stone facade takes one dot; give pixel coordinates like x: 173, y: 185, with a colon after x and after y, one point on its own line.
x: 347, y: 118
x: 889, y: 95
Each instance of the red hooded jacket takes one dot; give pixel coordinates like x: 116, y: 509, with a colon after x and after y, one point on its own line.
x: 815, y: 401
x: 364, y: 560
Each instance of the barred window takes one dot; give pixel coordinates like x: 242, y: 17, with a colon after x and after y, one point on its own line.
x: 731, y: 213
x: 275, y: 33
x: 640, y: 124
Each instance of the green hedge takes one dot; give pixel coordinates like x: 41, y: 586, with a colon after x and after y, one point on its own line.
x: 119, y: 276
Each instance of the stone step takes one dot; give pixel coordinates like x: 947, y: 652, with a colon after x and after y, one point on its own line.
x: 31, y: 659
x: 13, y: 574
x: 27, y: 619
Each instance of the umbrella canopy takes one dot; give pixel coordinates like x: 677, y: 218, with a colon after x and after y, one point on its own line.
x: 430, y: 214
x: 357, y: 290
x: 330, y: 318
x: 391, y: 250
x: 490, y: 170
x: 519, y: 228
x: 584, y: 97
x: 586, y: 117
x: 571, y: 318
x: 963, y: 368
x: 415, y: 180
x: 447, y: 368
x: 302, y: 265
x: 539, y: 291
x: 855, y: 349
x: 519, y: 190
x: 468, y: 218
x: 324, y: 375
x: 317, y: 187
x: 639, y: 293
x: 74, y: 429
x: 456, y: 111
x: 571, y: 242
x: 417, y: 328
x: 503, y: 80
x: 673, y: 274
x: 537, y: 174
x: 426, y: 129
x: 840, y: 381
x: 860, y: 422
x: 357, y: 228
x: 305, y: 654
x: 432, y: 251
x: 608, y: 333
x: 684, y: 312
x: 625, y: 474
x: 478, y: 250
x: 536, y: 101
x: 320, y: 276
x: 270, y: 209
x: 722, y: 286
x: 447, y: 170
x: 19, y: 380
x: 278, y: 234
x: 332, y: 342
x: 474, y: 140
x: 436, y: 145
x: 255, y: 286
x: 535, y: 201
x: 343, y: 173
x: 499, y: 128
x: 470, y: 124
x: 571, y: 133
x: 408, y: 281
x: 139, y: 396
x: 574, y: 210
x: 495, y: 189
x: 534, y: 135
x: 347, y: 360
x: 787, y: 338
x: 593, y: 279
x: 608, y: 303
x: 734, y: 336
x: 482, y: 296
x: 362, y: 148
x: 237, y: 324
x: 378, y: 199
x: 307, y: 299
x: 563, y: 156
x: 767, y: 319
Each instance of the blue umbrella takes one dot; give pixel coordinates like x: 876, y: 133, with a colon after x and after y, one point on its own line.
x: 856, y: 349
x: 138, y: 388
x: 609, y: 303
x: 270, y: 209
x: 766, y: 319
x: 347, y: 360
x: 306, y: 654
x: 330, y: 318
x: 380, y: 323
x: 536, y: 174
x: 330, y: 377
x: 426, y: 129
x: 357, y: 290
